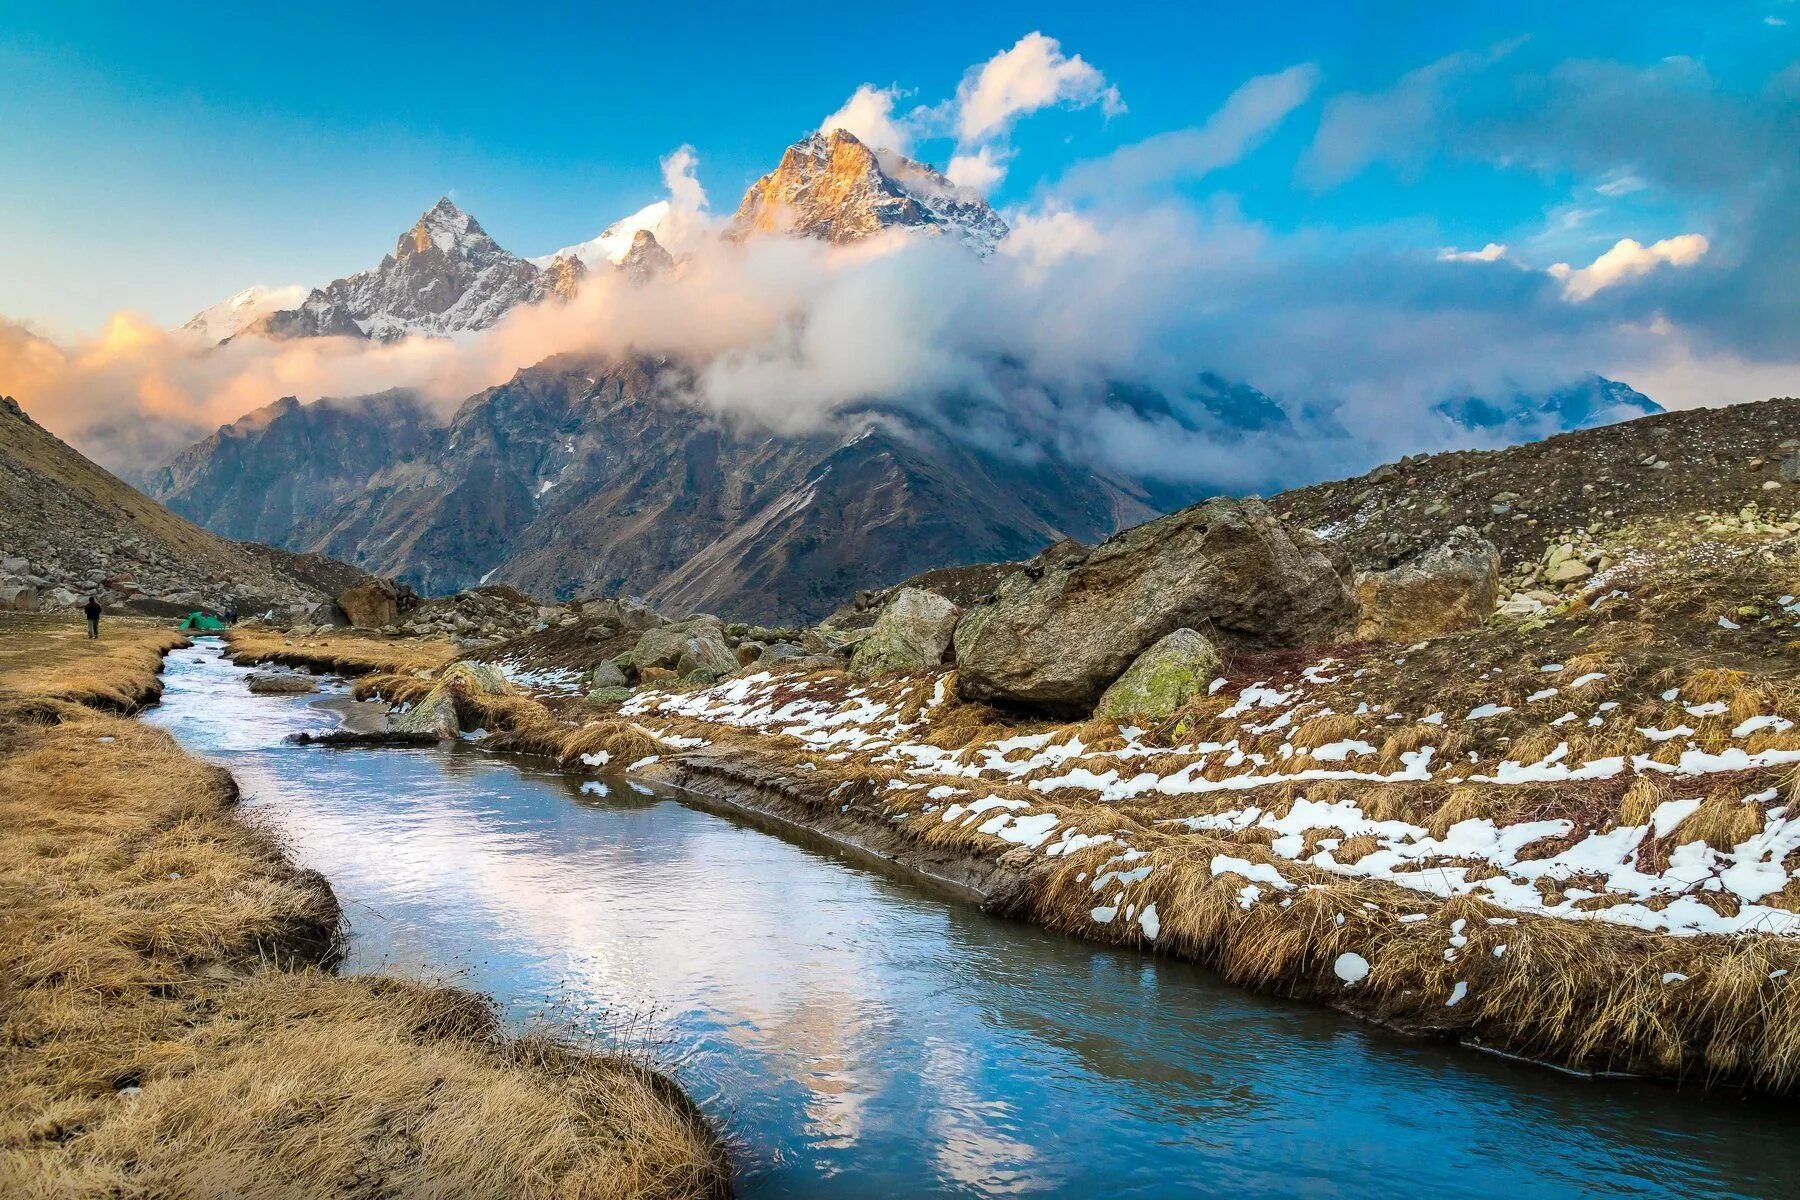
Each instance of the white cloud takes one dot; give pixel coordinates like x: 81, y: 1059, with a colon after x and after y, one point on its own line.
x: 1047, y: 239
x: 1681, y: 376
x: 689, y: 216
x: 1249, y: 115
x: 1032, y: 75
x: 1492, y: 252
x: 1774, y: 21
x: 1627, y: 260
x: 979, y: 171
x: 869, y: 115
x: 1620, y: 183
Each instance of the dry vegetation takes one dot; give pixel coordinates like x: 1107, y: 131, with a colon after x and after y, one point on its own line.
x: 341, y: 652
x: 170, y: 1023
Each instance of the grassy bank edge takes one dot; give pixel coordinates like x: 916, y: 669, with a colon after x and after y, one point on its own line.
x: 171, y: 1025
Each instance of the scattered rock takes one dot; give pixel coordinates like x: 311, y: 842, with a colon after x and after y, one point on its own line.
x: 1452, y: 586
x: 1162, y: 678
x: 435, y: 715
x: 608, y: 675
x: 913, y: 631
x: 1567, y: 570
x: 1054, y: 639
x: 18, y: 597
x: 780, y: 652
x: 705, y: 650
x: 270, y: 684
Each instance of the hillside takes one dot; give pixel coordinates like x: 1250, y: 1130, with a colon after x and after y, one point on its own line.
x: 68, y: 525
x: 1520, y: 498
x: 580, y: 476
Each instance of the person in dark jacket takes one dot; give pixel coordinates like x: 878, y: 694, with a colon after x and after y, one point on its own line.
x: 92, y: 609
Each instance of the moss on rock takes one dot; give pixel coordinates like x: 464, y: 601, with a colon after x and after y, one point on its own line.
x: 1161, y: 678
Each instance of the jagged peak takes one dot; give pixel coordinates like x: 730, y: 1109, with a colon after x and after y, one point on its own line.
x: 833, y: 185
x: 448, y: 228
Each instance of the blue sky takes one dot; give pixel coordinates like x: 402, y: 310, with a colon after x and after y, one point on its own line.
x: 156, y: 160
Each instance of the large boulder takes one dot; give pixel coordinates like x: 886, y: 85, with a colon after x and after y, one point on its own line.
x: 1162, y: 678
x: 695, y: 644
x: 1056, y: 636
x: 913, y: 631
x: 18, y: 597
x: 371, y: 605
x: 1454, y: 585
x: 705, y: 650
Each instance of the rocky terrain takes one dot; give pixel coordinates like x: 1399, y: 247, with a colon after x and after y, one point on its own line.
x: 446, y: 275
x: 1526, y: 498
x: 831, y: 186
x: 68, y: 529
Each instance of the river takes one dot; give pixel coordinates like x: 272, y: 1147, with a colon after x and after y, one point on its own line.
x: 857, y: 1035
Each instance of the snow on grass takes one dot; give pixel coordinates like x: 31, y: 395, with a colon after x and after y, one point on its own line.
x: 1593, y: 874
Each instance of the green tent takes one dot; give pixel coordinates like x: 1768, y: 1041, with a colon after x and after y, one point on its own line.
x: 200, y: 620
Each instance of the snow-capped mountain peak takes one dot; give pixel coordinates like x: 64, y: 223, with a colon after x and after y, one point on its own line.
x: 832, y: 186
x: 222, y: 320
x: 445, y: 276
x: 448, y: 229
x: 613, y: 243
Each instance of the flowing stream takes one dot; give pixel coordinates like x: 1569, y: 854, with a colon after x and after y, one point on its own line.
x: 857, y: 1035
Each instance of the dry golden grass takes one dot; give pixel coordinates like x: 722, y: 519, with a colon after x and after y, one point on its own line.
x: 169, y: 1025
x: 52, y: 657
x: 341, y: 652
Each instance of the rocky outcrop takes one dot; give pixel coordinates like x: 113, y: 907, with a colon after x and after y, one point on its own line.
x: 647, y: 259
x: 1451, y: 586
x: 684, y: 647
x: 371, y: 605
x: 832, y: 186
x: 913, y: 631
x: 1056, y: 637
x: 269, y: 683
x: 1161, y: 679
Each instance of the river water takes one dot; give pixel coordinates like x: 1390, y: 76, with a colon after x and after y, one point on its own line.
x: 856, y: 1035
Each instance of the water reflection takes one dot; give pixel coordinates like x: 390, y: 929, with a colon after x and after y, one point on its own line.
x: 864, y: 1038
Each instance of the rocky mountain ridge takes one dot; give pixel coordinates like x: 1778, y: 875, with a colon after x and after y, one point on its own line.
x: 446, y: 275
x: 832, y: 186
x: 579, y: 475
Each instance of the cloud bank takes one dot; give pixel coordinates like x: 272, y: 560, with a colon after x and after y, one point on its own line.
x: 1129, y: 272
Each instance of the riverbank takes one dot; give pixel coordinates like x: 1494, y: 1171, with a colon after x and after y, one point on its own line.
x: 173, y: 1026
x: 1566, y: 837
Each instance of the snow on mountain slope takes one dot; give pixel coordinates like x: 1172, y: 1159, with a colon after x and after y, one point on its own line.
x: 445, y: 276
x: 230, y: 315
x: 613, y: 243
x: 832, y: 186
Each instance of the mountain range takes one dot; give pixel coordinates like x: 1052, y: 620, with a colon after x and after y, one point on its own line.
x: 584, y: 474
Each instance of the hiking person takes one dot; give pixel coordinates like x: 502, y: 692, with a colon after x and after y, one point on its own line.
x: 92, y: 609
